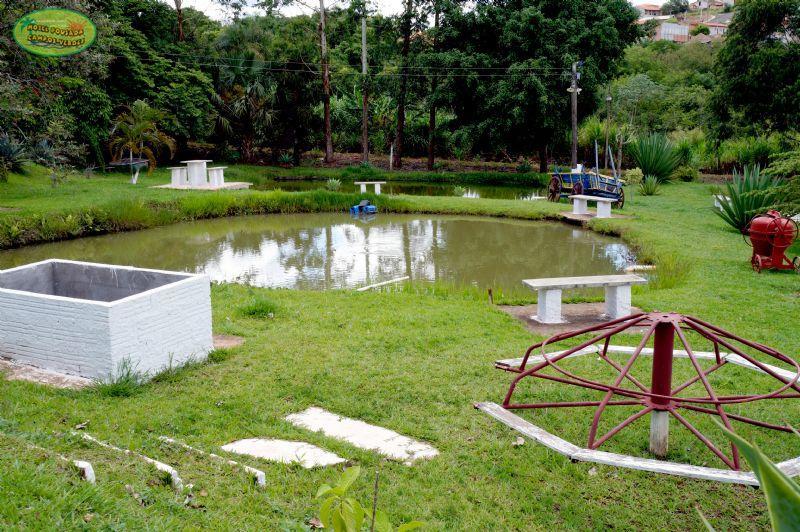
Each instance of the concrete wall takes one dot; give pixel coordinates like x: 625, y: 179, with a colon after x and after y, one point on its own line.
x: 167, y: 324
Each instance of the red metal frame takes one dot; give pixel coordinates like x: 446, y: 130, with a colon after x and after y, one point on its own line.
x: 661, y: 395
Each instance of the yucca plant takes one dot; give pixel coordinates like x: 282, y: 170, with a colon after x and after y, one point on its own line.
x: 655, y: 155
x: 749, y: 193
x: 333, y: 184
x: 12, y: 154
x: 781, y: 492
x: 650, y: 186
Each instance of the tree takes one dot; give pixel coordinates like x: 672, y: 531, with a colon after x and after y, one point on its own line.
x: 758, y: 70
x: 136, y: 130
x: 700, y: 28
x: 405, y: 30
x: 675, y: 7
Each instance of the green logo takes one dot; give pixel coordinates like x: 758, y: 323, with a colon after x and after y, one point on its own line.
x: 54, y: 32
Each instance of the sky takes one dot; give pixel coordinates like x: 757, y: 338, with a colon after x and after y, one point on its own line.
x: 213, y: 10
x: 385, y: 7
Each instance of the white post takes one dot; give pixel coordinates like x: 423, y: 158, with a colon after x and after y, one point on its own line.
x: 659, y: 433
x: 377, y: 189
x: 579, y: 206
x: 603, y: 209
x: 363, y: 188
x: 618, y: 301
x: 548, y: 306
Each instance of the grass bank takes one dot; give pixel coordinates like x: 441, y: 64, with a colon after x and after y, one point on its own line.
x: 412, y: 360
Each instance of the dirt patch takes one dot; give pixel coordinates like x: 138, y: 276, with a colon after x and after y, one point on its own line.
x: 224, y: 341
x: 15, y: 371
x: 577, y: 316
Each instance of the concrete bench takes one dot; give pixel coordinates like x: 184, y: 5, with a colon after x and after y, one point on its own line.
x: 580, y: 205
x: 216, y: 176
x: 618, y: 294
x: 363, y: 185
x: 179, y: 176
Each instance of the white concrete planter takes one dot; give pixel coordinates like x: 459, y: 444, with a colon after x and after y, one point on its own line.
x: 86, y: 319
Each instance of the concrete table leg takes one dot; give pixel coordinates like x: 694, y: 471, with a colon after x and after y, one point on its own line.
x: 377, y: 189
x: 603, y: 209
x: 363, y: 188
x: 579, y: 207
x: 548, y: 306
x: 618, y: 301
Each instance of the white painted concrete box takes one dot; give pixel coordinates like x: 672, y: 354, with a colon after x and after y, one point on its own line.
x: 86, y: 319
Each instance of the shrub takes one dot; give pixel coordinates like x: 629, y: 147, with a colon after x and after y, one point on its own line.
x: 686, y: 173
x: 655, y: 155
x: 650, y: 186
x: 700, y: 28
x: 524, y: 167
x: 786, y: 164
x: 748, y: 151
x: 459, y: 191
x: 750, y: 193
x: 333, y: 184
x: 634, y: 176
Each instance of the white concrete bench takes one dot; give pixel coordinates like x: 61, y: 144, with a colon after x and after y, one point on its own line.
x: 618, y: 294
x: 363, y: 185
x: 179, y: 176
x: 216, y: 176
x: 580, y: 205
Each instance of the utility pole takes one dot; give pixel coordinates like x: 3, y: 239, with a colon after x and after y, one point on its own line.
x: 326, y: 83
x: 364, y: 90
x: 608, y: 125
x: 574, y: 90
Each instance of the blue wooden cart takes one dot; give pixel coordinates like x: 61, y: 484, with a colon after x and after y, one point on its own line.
x: 589, y: 183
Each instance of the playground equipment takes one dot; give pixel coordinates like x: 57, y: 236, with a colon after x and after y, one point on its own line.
x: 770, y: 235
x: 661, y: 397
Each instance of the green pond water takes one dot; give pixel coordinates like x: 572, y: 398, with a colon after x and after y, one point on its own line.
x: 416, y: 188
x: 321, y: 251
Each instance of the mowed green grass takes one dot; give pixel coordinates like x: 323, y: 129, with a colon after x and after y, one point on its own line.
x: 414, y: 361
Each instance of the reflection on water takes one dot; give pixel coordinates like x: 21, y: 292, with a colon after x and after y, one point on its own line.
x: 416, y: 188
x: 319, y: 251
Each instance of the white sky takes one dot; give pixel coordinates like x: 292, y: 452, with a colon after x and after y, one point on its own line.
x: 385, y: 7
x: 213, y: 9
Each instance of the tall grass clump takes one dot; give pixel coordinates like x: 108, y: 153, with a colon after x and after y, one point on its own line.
x: 655, y: 155
x: 749, y: 193
x: 126, y: 382
x: 650, y: 186
x: 748, y: 151
x: 333, y: 184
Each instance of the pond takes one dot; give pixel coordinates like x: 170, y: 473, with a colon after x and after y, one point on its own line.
x: 321, y: 251
x: 417, y: 188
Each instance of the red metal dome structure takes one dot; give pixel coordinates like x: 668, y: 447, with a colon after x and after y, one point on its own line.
x: 660, y: 397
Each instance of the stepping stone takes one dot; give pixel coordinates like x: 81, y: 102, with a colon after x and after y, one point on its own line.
x: 363, y: 435
x: 285, y: 452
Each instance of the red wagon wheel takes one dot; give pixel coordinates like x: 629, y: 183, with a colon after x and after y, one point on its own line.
x: 554, y: 190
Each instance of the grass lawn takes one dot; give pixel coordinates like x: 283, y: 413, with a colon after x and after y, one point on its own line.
x: 413, y: 360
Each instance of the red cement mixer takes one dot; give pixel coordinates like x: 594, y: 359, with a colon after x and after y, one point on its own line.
x: 770, y: 235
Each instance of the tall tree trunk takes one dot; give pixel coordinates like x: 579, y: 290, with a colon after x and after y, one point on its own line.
x: 180, y: 22
x: 543, y: 159
x: 364, y: 93
x: 296, y: 128
x: 432, y: 113
x: 401, y: 97
x: 326, y: 83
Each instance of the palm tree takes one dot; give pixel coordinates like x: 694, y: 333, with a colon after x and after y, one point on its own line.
x: 245, y: 101
x: 136, y: 130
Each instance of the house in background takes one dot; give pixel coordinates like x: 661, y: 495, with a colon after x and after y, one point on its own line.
x: 649, y: 10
